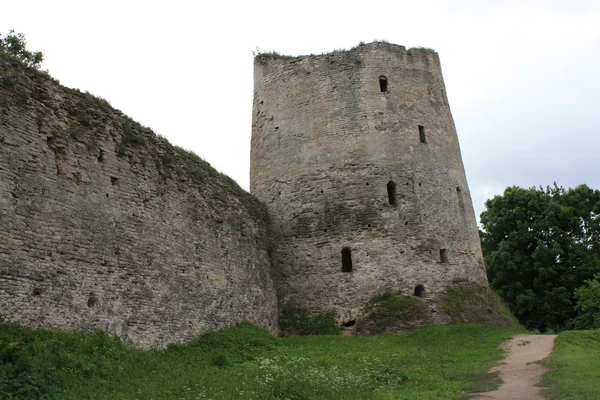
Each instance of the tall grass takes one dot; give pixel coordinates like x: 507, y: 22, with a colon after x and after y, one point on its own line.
x: 245, y: 362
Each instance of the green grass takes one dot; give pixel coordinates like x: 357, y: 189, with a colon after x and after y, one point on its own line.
x: 392, y: 312
x: 295, y: 321
x: 100, y: 102
x: 469, y: 302
x: 245, y: 362
x: 575, y: 366
x: 422, y: 49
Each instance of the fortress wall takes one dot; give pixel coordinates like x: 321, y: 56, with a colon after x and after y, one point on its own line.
x: 326, y: 141
x: 141, y: 240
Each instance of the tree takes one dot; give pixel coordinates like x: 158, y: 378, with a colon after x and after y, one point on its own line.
x: 588, y: 304
x: 14, y: 46
x: 539, y: 245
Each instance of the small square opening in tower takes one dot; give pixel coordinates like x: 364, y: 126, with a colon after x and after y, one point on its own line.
x: 346, y: 259
x: 383, y: 83
x: 422, y: 136
x: 443, y: 256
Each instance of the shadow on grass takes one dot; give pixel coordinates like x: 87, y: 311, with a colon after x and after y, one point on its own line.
x: 482, y: 382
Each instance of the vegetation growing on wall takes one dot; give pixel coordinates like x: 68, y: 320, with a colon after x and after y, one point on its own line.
x: 393, y: 312
x: 137, y: 143
x: 539, y: 246
x: 262, y: 56
x: 469, y: 302
x: 299, y: 322
x: 13, y: 46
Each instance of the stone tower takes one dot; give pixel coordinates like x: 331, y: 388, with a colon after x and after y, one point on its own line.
x: 356, y: 155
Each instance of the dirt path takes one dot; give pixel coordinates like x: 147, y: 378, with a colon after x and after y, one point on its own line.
x: 518, y: 376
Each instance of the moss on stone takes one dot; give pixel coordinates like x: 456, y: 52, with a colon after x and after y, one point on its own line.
x: 469, y: 302
x: 393, y: 312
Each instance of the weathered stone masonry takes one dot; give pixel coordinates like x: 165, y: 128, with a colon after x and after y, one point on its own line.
x: 149, y: 245
x: 105, y: 225
x: 356, y: 156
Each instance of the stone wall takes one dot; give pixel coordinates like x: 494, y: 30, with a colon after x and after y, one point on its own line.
x: 356, y: 152
x: 104, y: 225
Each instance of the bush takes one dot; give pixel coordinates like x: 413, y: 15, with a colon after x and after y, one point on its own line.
x: 588, y: 304
x: 14, y: 47
x: 296, y: 321
x: 128, y: 138
x: 101, y: 102
x: 34, y: 362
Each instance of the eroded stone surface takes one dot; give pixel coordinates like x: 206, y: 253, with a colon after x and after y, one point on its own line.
x: 141, y: 245
x: 101, y: 230
x: 330, y: 146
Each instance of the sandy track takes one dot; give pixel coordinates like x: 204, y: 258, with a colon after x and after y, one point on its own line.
x: 518, y: 376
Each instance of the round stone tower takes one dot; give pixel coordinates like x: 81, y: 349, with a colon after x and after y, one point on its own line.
x: 356, y: 155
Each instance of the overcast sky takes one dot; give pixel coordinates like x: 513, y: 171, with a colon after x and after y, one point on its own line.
x: 522, y: 77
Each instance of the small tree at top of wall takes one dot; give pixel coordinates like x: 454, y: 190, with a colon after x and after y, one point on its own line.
x: 13, y: 46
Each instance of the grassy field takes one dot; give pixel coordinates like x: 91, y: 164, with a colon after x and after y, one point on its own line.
x: 575, y: 365
x: 245, y: 362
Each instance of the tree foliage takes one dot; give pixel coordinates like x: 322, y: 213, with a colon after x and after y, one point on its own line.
x: 540, y: 245
x: 588, y: 304
x: 14, y: 46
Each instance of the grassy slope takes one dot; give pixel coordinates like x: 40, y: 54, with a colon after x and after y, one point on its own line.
x: 462, y: 302
x: 575, y: 365
x: 245, y: 362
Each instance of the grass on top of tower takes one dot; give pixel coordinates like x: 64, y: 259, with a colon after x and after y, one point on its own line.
x: 260, y: 56
x: 422, y: 49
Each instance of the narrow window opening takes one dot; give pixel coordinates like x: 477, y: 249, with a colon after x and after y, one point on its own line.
x: 459, y: 194
x: 383, y: 83
x: 419, y: 290
x: 92, y: 300
x: 346, y: 259
x: 422, y: 136
x: 114, y: 180
x: 391, y: 190
x: 443, y: 256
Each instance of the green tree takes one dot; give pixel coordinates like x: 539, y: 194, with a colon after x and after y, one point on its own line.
x: 13, y: 46
x: 539, y: 245
x: 588, y: 304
